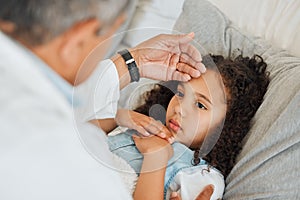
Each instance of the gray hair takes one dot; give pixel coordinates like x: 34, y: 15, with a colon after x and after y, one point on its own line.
x: 38, y: 21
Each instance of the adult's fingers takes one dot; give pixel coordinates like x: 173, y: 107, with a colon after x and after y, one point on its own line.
x: 206, y: 193
x: 174, y: 60
x: 190, y: 54
x: 185, y: 68
x: 176, y: 39
x: 175, y: 196
x: 180, y: 76
x: 186, y: 58
x: 180, y: 44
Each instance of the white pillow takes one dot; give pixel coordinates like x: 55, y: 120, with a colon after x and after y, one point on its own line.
x: 152, y: 17
x: 277, y: 21
x: 272, y: 146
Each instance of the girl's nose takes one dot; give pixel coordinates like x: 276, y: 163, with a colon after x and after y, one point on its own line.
x: 179, y: 108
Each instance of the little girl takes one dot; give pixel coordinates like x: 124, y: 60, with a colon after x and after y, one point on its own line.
x: 208, y: 118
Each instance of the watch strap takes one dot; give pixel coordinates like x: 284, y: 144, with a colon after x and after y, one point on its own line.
x: 131, y: 64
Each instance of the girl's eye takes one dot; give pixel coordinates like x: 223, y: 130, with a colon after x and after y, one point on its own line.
x: 179, y: 94
x: 201, y: 106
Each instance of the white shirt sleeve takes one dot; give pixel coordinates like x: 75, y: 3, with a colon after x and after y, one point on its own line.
x: 99, y: 94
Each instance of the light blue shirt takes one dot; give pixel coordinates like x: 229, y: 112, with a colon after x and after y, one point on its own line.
x: 61, y: 84
x: 124, y: 146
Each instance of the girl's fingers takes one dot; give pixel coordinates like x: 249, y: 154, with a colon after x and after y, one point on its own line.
x: 142, y: 131
x: 154, y: 127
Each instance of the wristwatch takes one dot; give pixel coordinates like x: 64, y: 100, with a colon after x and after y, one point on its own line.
x: 132, y: 67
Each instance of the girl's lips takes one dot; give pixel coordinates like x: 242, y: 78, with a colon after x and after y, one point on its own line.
x: 174, y: 125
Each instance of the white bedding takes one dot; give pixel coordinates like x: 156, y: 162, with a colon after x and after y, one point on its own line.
x: 152, y: 17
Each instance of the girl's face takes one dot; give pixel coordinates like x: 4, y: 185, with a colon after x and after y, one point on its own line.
x: 197, y: 107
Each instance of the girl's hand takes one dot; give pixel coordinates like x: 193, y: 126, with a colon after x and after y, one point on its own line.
x: 169, y: 57
x: 143, y: 124
x: 152, y: 144
x: 156, y: 151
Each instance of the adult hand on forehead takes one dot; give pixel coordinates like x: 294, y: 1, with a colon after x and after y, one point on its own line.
x: 143, y: 124
x: 169, y: 57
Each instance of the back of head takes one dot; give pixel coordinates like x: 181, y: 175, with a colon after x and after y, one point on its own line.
x: 38, y: 21
x: 246, y: 81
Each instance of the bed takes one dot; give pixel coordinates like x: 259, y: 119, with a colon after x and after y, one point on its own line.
x: 268, y: 166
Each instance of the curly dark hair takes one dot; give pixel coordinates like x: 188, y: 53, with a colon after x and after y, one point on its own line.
x: 246, y: 81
